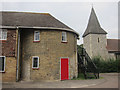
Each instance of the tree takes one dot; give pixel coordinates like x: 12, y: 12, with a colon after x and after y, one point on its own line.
x: 79, y: 48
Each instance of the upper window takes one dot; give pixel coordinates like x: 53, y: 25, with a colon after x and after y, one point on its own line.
x: 35, y: 62
x: 36, y: 36
x: 3, y: 34
x: 2, y: 63
x: 64, y: 37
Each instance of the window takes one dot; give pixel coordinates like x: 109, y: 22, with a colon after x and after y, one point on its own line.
x: 2, y: 63
x: 98, y: 40
x: 3, y: 34
x: 36, y: 36
x: 35, y: 62
x: 64, y: 37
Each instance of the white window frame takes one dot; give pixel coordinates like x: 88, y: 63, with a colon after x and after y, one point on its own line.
x: 4, y: 63
x: 64, y: 34
x: 1, y: 34
x: 33, y: 62
x: 35, y: 35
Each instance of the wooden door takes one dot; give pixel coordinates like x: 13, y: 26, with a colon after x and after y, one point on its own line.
x: 64, y: 69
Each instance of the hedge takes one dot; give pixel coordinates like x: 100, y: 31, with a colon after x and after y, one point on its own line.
x: 106, y: 66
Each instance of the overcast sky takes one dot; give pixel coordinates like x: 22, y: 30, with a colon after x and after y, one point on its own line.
x: 74, y: 14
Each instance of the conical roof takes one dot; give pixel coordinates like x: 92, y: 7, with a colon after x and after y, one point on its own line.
x: 93, y: 25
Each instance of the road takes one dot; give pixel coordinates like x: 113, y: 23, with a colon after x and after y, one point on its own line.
x: 108, y: 80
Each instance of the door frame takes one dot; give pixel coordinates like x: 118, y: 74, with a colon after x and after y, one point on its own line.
x: 60, y: 66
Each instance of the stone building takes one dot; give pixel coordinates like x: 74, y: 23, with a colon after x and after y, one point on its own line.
x: 36, y: 46
x: 113, y: 48
x: 95, y: 41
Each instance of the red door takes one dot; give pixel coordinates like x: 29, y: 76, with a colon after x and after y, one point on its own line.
x: 64, y: 69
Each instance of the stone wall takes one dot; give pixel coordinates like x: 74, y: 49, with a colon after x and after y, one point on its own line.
x: 87, y: 44
x: 95, y: 47
x: 10, y: 70
x: 9, y: 50
x: 50, y: 49
x: 112, y: 55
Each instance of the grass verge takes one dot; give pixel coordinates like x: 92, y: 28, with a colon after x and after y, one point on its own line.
x: 81, y: 77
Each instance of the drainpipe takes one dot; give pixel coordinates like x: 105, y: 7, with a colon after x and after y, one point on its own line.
x: 18, y: 54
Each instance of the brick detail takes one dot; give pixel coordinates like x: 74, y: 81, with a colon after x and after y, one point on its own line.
x: 9, y: 46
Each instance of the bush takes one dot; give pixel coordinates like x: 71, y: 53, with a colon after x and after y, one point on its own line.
x: 106, y: 66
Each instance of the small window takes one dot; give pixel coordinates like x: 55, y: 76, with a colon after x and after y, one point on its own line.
x: 64, y: 37
x: 3, y: 34
x: 35, y: 62
x: 2, y: 63
x: 36, y: 36
x: 98, y: 40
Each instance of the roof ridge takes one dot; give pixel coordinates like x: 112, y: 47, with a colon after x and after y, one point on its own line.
x: 31, y: 19
x: 25, y: 12
x: 113, y: 39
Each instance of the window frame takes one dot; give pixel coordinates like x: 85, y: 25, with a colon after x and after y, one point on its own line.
x: 65, y: 33
x: 33, y: 62
x: 35, y: 36
x: 4, y: 63
x: 1, y: 33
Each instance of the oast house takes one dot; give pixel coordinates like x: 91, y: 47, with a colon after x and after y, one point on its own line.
x: 36, y: 46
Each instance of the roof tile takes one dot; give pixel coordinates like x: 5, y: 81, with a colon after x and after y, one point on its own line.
x: 113, y: 44
x: 29, y: 19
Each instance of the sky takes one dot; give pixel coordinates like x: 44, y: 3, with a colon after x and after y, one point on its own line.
x: 73, y: 13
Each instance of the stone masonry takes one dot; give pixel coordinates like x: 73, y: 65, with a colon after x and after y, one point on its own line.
x: 50, y: 49
x: 9, y: 50
x: 95, y: 45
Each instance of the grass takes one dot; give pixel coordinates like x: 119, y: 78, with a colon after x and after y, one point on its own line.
x: 101, y: 77
x: 81, y: 77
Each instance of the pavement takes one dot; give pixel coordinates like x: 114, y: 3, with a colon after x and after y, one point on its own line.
x: 108, y: 80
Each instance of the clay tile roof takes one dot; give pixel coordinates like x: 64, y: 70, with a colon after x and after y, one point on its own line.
x: 29, y: 19
x: 93, y: 25
x: 113, y: 45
